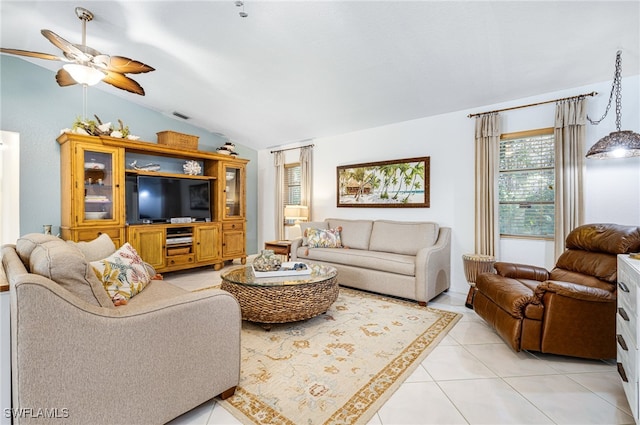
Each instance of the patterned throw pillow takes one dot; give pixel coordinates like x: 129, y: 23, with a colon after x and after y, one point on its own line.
x: 324, y: 238
x: 123, y: 274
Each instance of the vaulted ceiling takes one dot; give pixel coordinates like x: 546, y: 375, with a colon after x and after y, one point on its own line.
x: 296, y: 70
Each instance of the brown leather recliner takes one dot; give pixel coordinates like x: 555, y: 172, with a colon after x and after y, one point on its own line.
x: 570, y: 310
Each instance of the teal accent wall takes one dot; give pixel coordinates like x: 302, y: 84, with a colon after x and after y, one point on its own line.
x: 32, y: 104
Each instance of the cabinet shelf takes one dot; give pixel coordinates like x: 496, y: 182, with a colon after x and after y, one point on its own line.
x: 164, y: 174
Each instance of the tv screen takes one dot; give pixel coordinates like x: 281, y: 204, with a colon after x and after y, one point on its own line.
x: 161, y: 198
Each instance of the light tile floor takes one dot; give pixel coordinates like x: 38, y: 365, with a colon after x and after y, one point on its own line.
x: 472, y: 377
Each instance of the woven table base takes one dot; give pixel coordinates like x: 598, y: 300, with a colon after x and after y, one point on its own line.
x: 286, y: 303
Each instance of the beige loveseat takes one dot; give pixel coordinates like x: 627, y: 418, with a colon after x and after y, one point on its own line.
x: 404, y: 259
x: 76, y: 358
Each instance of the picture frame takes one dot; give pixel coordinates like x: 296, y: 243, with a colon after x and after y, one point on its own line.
x: 398, y: 183
x: 199, y: 196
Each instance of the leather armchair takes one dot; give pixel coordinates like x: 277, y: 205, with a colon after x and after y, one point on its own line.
x: 570, y: 310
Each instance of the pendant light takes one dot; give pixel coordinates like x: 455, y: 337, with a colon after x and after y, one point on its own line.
x: 618, y: 144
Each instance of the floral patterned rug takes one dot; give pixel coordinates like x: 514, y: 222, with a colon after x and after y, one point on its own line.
x: 337, y: 368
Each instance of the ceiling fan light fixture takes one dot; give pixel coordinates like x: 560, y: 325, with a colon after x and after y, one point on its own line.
x: 83, y: 74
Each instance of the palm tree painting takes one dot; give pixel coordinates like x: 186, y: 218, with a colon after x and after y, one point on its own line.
x: 395, y: 183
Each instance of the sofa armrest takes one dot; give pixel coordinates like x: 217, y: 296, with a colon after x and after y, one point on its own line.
x: 433, y: 267
x: 521, y: 271
x: 575, y: 291
x: 295, y: 244
x: 67, y: 353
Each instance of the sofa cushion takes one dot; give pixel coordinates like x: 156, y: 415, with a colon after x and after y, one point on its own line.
x: 27, y: 243
x: 383, y: 261
x: 592, y: 264
x: 609, y: 238
x: 311, y: 225
x: 402, y: 237
x: 323, y: 238
x: 100, y: 247
x: 355, y: 233
x: 155, y: 292
x: 65, y: 264
x: 123, y: 274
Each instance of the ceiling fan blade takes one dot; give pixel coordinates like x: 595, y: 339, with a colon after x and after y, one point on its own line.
x: 64, y: 79
x: 127, y: 66
x: 123, y: 82
x: 69, y: 49
x: 37, y: 55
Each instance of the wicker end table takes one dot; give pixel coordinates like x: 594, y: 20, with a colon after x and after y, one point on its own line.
x: 474, y: 265
x: 282, y: 299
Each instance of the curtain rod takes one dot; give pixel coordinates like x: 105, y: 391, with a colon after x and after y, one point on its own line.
x: 593, y: 93
x: 290, y: 149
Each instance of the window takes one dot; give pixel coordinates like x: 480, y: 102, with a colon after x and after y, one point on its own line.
x: 526, y: 184
x: 292, y: 178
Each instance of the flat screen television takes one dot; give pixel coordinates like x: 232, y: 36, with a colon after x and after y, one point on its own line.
x: 158, y: 199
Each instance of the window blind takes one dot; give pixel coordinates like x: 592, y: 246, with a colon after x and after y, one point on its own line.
x: 526, y: 186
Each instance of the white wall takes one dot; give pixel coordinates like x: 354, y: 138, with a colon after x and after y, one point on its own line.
x: 612, y: 186
x: 9, y: 187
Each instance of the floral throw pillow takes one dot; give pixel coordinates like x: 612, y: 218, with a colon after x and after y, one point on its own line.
x: 324, y: 238
x: 123, y: 274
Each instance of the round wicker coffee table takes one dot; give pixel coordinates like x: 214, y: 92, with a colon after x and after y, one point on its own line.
x: 282, y: 299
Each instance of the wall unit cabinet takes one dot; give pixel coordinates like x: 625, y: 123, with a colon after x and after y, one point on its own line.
x: 92, y: 190
x: 627, y: 329
x: 96, y: 200
x: 231, y: 192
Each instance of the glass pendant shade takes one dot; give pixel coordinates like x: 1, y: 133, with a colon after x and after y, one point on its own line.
x: 619, y: 144
x: 84, y: 74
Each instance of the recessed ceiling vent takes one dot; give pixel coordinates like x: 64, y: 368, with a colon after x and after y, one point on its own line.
x: 179, y: 115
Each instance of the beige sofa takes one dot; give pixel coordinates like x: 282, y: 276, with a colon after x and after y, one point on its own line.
x: 404, y: 259
x: 75, y: 360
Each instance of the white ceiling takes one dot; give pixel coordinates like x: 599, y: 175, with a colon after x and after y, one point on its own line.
x: 296, y: 70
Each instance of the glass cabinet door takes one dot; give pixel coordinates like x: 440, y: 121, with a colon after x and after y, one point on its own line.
x: 233, y: 192
x: 100, y: 185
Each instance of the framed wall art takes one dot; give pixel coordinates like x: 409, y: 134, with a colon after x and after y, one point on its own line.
x: 400, y: 183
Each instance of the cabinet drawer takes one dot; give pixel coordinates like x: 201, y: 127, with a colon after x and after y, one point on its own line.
x: 627, y: 319
x: 238, y: 225
x: 628, y: 357
x: 176, y: 260
x: 630, y: 388
x: 91, y: 234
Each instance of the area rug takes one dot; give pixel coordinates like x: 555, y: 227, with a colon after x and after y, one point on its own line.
x: 337, y: 368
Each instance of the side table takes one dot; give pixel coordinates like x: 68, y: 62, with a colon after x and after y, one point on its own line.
x: 280, y: 247
x: 475, y: 265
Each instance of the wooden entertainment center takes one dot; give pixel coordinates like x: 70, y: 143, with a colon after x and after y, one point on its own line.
x: 96, y: 179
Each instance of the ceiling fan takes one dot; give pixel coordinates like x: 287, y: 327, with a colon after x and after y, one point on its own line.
x: 86, y: 65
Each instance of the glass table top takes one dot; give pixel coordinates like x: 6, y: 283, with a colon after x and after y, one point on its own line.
x: 245, y: 276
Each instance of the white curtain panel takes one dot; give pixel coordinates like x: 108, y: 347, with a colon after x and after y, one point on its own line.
x: 569, y: 166
x: 487, y: 143
x: 306, y: 184
x: 278, y: 162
